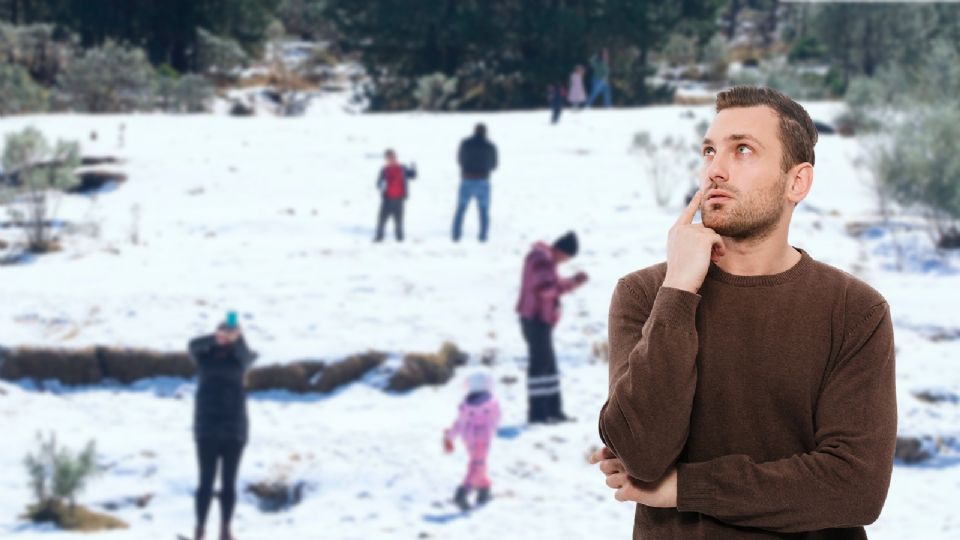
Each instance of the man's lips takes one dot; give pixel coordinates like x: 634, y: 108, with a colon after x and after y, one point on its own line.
x: 718, y: 196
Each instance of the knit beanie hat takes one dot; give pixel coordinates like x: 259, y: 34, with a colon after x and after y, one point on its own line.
x: 567, y: 244
x: 479, y: 382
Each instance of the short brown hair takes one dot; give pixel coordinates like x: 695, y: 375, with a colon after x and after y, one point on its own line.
x: 798, y: 134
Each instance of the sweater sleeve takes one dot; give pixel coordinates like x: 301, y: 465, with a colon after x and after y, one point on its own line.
x: 653, y: 378
x: 843, y: 482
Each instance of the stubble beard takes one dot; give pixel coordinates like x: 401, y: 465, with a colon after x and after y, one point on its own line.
x: 753, y: 218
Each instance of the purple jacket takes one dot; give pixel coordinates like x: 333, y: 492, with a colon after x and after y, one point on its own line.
x: 541, y: 286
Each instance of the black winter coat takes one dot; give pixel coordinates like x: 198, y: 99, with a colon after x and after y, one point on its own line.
x: 477, y: 158
x: 220, y: 408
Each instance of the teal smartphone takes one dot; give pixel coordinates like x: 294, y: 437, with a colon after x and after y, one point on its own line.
x: 232, y: 319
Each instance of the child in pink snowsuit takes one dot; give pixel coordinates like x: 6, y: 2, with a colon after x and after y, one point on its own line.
x: 477, y: 423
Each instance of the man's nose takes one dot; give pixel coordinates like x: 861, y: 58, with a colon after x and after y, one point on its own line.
x: 715, y: 171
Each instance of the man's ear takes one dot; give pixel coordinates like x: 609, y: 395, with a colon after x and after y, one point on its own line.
x: 799, y: 182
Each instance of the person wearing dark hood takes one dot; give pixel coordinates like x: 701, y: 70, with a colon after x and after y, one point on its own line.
x: 477, y: 158
x: 220, y: 425
x: 539, y: 309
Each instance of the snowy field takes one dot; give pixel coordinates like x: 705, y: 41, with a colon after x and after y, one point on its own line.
x: 274, y: 217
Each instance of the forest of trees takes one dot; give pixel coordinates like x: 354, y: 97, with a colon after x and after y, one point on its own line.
x: 479, y: 54
x: 505, y: 52
x: 165, y: 29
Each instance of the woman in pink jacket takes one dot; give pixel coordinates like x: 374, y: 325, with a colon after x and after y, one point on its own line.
x: 477, y: 421
x: 577, y: 94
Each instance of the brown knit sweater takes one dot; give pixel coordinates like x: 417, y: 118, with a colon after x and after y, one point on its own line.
x: 773, y: 395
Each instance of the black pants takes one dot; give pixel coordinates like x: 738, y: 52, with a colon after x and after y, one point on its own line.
x: 557, y: 109
x: 390, y: 208
x: 228, y: 453
x: 543, y: 381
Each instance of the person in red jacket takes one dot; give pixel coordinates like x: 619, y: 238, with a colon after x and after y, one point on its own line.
x: 392, y: 183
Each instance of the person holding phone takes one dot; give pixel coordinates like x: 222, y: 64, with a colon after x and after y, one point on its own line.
x: 539, y: 308
x: 221, y: 426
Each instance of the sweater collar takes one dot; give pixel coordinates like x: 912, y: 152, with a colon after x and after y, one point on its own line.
x: 715, y: 273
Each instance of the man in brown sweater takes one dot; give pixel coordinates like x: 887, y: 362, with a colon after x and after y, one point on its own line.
x: 751, y: 387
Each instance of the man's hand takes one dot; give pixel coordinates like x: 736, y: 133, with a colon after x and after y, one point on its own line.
x: 690, y: 248
x: 659, y: 494
x: 580, y: 278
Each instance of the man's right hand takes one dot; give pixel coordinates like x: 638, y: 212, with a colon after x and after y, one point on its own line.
x: 690, y: 248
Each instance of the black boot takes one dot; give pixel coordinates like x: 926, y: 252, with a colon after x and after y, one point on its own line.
x: 460, y: 499
x: 483, y: 496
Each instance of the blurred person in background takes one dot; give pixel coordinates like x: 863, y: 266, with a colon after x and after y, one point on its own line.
x: 477, y: 419
x: 539, y: 308
x: 477, y: 158
x: 393, y: 184
x: 221, y: 426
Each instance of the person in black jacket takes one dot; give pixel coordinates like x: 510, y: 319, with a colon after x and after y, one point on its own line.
x: 220, y: 425
x: 477, y: 158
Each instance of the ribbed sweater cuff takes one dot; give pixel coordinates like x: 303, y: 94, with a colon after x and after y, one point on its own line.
x: 675, y: 308
x: 695, y: 492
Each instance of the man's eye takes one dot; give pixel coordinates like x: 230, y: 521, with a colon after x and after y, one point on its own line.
x: 744, y: 149
x: 708, y: 151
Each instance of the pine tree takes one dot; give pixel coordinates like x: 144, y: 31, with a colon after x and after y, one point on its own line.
x: 58, y: 475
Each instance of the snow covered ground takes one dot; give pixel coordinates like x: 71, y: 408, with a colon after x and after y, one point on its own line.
x: 274, y: 217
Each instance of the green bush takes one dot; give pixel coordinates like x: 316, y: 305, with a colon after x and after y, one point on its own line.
x: 219, y: 56
x: 39, y: 48
x: 42, y: 172
x: 194, y: 93
x: 920, y: 166
x: 58, y: 475
x: 807, y: 48
x: 110, y: 78
x: 791, y: 80
x: 18, y: 93
x: 912, y: 109
x: 436, y: 92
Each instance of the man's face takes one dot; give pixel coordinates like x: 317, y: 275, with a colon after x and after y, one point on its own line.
x: 744, y: 187
x: 391, y: 158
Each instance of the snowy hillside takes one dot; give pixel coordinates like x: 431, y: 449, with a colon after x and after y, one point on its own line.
x: 274, y: 217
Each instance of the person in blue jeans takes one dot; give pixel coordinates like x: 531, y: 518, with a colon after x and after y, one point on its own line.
x: 477, y: 157
x: 601, y: 78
